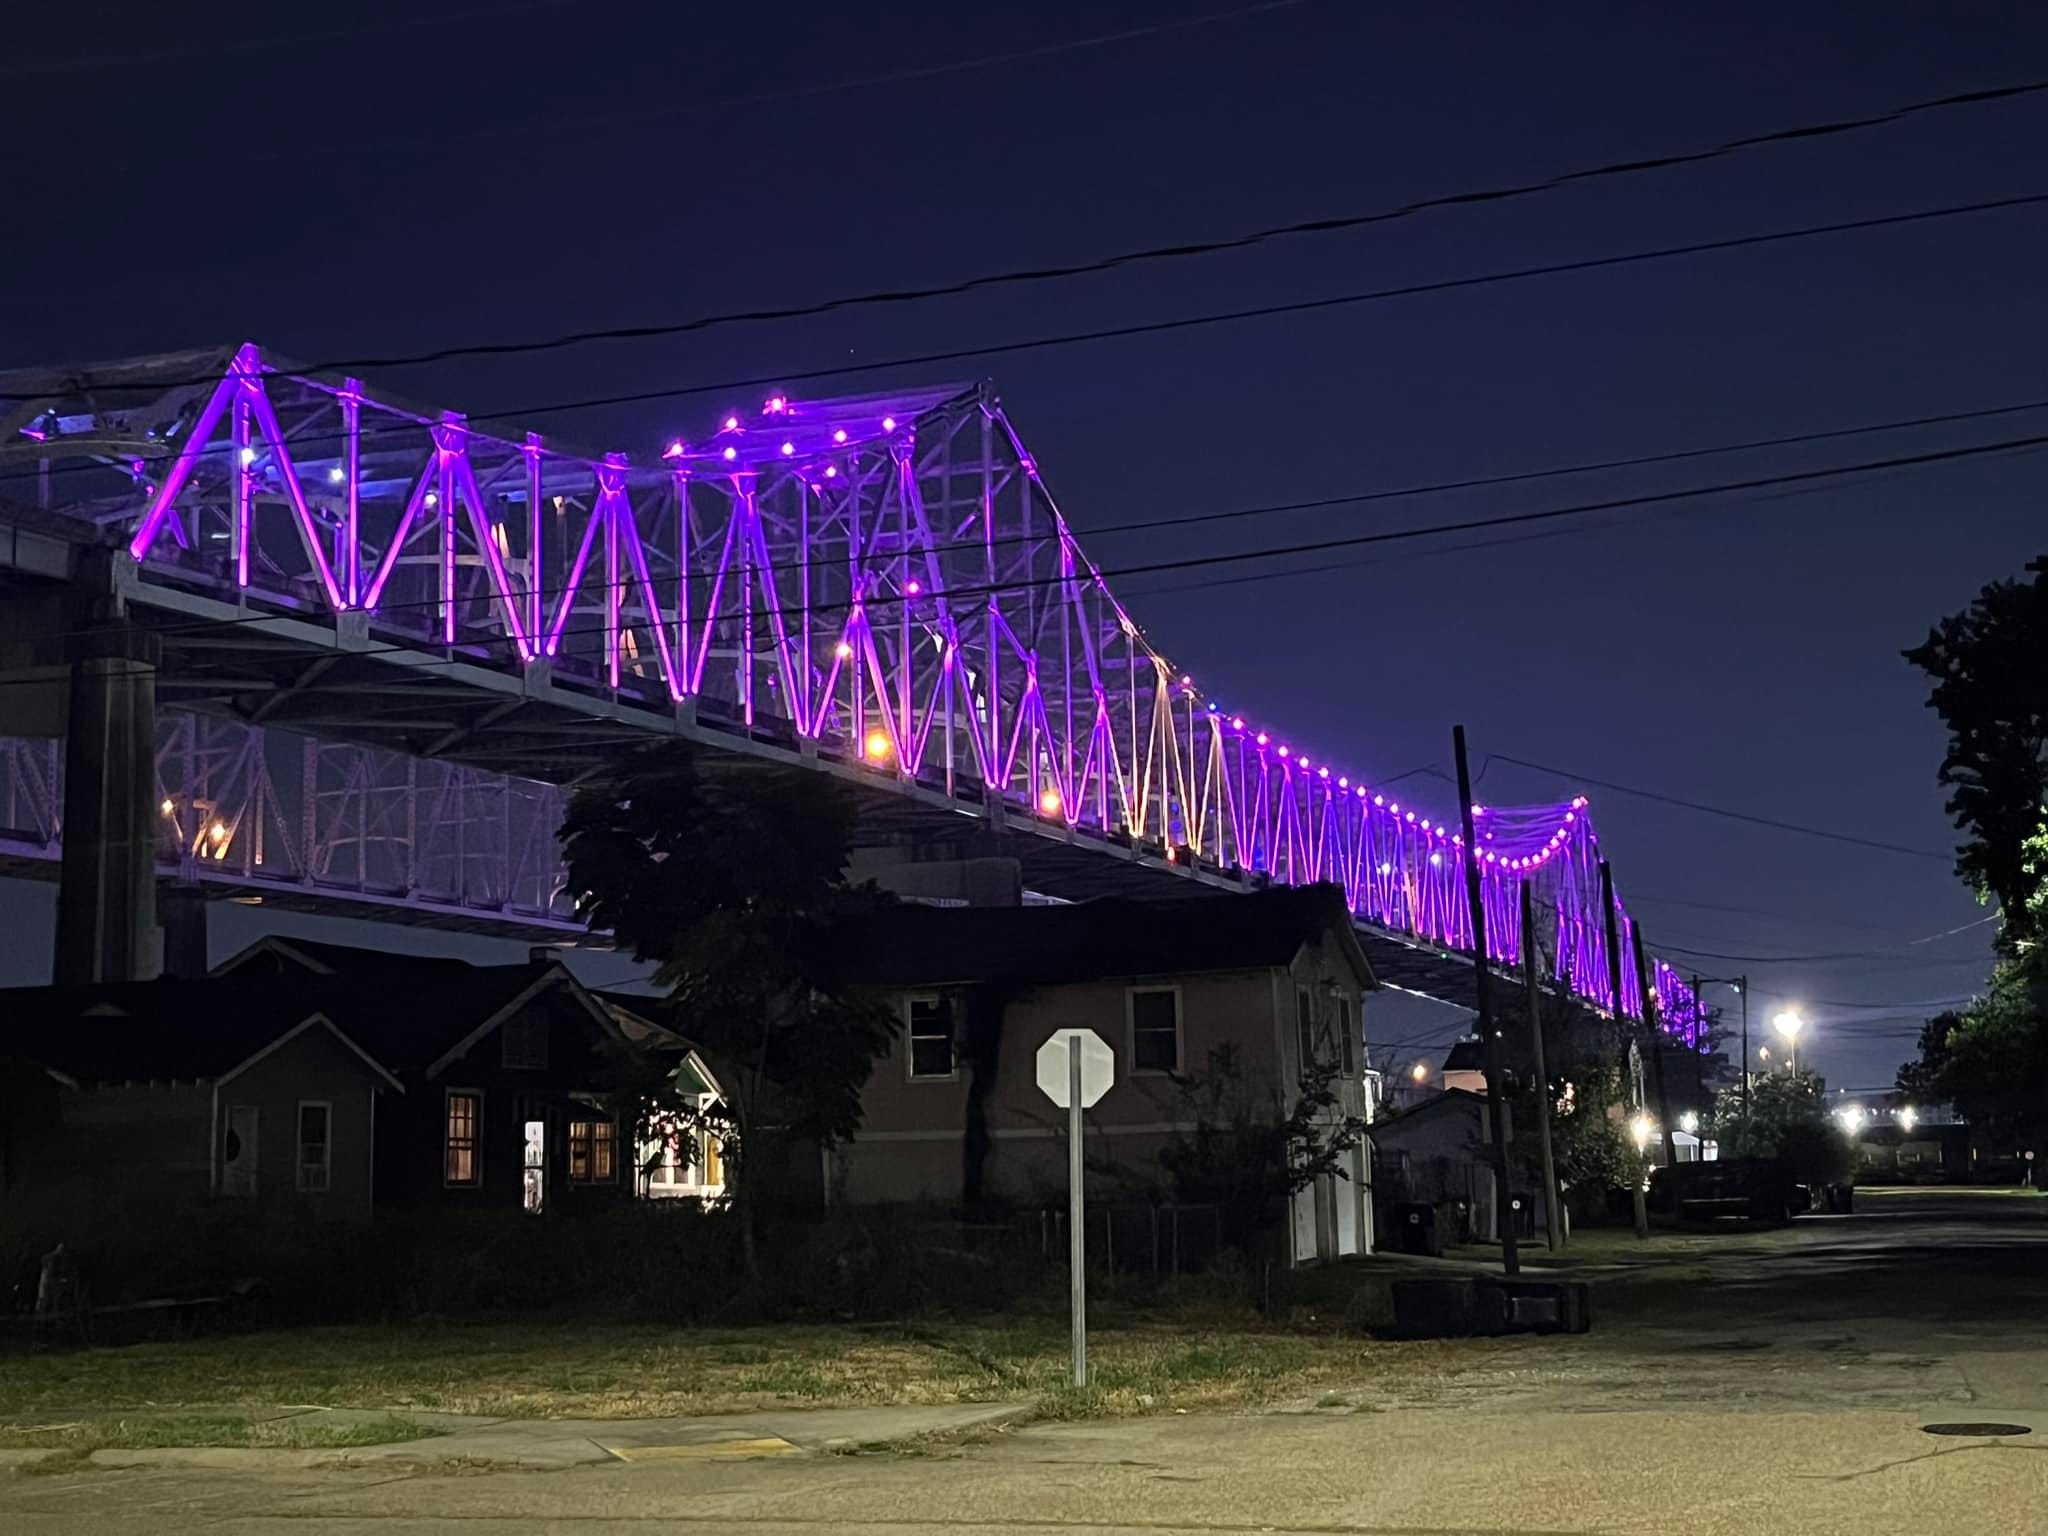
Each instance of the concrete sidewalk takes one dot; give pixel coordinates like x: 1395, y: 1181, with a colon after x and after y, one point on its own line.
x: 539, y: 1444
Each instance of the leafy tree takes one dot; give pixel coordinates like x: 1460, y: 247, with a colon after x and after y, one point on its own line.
x: 734, y: 883
x: 1787, y: 1117
x: 1248, y: 1154
x: 1991, y: 690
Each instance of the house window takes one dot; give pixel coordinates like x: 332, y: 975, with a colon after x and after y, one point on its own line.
x: 316, y: 1146
x: 523, y: 1042
x: 931, y: 1038
x: 593, y: 1151
x: 1305, y: 1027
x: 460, y: 1164
x: 1155, y: 1029
x: 1344, y: 1022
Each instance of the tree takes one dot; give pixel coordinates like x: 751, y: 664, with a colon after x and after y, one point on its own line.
x: 1786, y: 1118
x: 1249, y: 1154
x: 734, y: 883
x: 1991, y: 690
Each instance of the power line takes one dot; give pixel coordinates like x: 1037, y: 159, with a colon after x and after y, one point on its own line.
x: 1116, y: 332
x: 1880, y: 952
x: 1351, y: 541
x: 1716, y: 810
x: 1180, y: 251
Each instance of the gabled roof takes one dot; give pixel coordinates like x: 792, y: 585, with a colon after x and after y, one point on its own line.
x: 104, y: 1047
x: 158, y: 1031
x: 318, y: 958
x: 1095, y: 940
x: 1460, y: 1099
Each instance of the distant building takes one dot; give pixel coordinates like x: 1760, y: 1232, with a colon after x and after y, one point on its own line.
x: 953, y: 1113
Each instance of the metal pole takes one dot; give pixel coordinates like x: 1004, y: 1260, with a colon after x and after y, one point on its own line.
x: 1642, y: 1210
x: 1553, y: 1218
x: 1496, y: 1110
x: 1077, y: 1240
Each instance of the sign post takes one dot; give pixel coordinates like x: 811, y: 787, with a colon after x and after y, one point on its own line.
x: 1075, y: 1069
x: 1077, y: 1237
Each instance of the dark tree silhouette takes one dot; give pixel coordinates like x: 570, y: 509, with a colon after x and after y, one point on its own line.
x: 733, y: 881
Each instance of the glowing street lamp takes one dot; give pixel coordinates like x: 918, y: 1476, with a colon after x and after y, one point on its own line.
x: 1640, y: 1130
x: 1689, y: 1123
x: 1420, y: 1072
x: 1788, y: 1024
x: 1907, y: 1117
x: 1850, y: 1116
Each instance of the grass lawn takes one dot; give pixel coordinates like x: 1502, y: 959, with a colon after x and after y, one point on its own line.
x: 599, y: 1370
x: 79, y: 1436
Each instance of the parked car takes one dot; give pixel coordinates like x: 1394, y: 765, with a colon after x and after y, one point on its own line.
x: 1759, y: 1188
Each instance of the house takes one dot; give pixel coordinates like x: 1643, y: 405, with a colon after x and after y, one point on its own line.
x: 342, y: 1080
x: 953, y: 1112
x: 1440, y: 1153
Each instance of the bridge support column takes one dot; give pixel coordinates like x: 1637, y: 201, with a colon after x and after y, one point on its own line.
x: 182, y: 911
x: 106, y: 891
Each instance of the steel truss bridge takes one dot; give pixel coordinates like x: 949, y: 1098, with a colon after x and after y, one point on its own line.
x: 389, y: 638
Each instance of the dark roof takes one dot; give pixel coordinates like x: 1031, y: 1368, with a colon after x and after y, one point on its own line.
x: 1093, y: 940
x: 336, y: 959
x: 1435, y: 1104
x: 159, y: 1031
x: 1468, y: 1055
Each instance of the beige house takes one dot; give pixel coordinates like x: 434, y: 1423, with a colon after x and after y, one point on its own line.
x: 953, y: 1113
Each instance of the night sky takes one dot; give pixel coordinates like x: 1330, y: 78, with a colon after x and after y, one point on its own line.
x: 520, y: 169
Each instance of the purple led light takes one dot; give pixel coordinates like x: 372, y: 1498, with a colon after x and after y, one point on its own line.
x: 731, y: 454
x: 839, y: 435
x: 788, y: 449
x: 775, y: 405
x: 675, y: 450
x: 732, y: 423
x: 888, y: 423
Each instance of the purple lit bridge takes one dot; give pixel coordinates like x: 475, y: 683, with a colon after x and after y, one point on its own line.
x: 382, y: 638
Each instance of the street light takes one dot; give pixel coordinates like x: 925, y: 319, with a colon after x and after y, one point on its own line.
x: 1689, y: 1123
x: 1850, y: 1116
x: 1907, y: 1117
x: 1788, y: 1023
x: 1641, y: 1129
x: 1420, y: 1072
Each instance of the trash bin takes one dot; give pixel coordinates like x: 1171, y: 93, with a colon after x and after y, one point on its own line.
x: 1415, y: 1224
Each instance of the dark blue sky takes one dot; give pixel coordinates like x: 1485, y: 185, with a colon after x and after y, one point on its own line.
x: 535, y: 167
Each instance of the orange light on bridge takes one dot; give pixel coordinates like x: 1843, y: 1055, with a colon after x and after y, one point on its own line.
x: 1049, y: 802
x: 876, y: 746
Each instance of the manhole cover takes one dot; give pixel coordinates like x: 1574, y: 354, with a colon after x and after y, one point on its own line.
x: 1981, y: 1431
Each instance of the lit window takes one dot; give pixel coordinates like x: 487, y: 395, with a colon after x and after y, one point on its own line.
x: 593, y: 1149
x: 931, y: 1038
x: 316, y: 1147
x: 465, y: 1115
x: 1155, y: 1029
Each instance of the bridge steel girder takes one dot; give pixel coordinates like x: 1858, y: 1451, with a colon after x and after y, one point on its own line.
x: 880, y: 587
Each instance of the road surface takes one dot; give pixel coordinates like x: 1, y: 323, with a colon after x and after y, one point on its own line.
x: 1776, y: 1384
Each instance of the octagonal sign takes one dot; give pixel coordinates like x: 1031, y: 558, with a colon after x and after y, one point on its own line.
x: 1098, y: 1066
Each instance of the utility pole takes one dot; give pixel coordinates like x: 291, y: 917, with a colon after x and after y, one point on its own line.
x: 1496, y: 1111
x: 1653, y: 1033
x: 1642, y: 1209
x: 1745, y: 1046
x: 1553, y: 1216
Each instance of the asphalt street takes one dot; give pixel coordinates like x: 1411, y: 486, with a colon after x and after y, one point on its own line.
x: 1781, y: 1383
